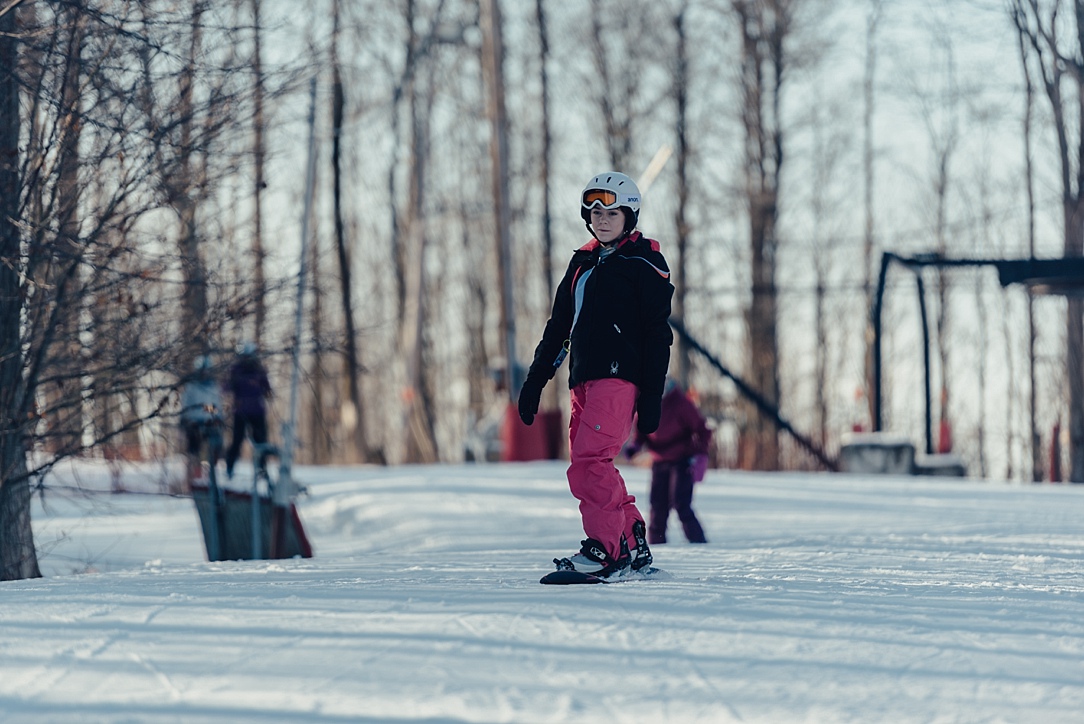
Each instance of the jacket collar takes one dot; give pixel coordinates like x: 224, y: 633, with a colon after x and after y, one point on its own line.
x: 595, y: 243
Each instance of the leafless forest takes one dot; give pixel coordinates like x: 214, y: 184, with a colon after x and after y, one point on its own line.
x: 153, y: 158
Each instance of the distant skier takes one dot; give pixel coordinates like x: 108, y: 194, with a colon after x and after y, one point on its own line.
x: 201, y: 415
x: 250, y: 388
x: 610, y: 315
x: 679, y: 453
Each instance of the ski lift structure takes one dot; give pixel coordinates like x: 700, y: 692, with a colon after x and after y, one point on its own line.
x: 764, y: 407
x: 249, y: 525
x: 264, y: 524
x: 1058, y: 277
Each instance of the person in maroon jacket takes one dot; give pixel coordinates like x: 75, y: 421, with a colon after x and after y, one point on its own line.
x: 679, y: 454
x: 611, y: 318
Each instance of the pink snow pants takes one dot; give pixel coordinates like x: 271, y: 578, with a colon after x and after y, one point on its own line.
x: 601, y: 421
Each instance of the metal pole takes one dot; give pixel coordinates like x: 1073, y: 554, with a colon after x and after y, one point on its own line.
x: 257, y: 522
x: 214, y: 505
x: 878, y: 308
x: 285, y: 489
x: 926, y: 357
x: 654, y: 168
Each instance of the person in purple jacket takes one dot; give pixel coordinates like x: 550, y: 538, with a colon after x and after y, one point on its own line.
x: 250, y: 389
x: 679, y: 453
x: 610, y: 317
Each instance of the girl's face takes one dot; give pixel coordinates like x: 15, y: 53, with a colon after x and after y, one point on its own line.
x: 607, y: 223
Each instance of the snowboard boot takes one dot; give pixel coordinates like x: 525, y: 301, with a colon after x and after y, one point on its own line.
x: 594, y: 559
x: 641, y: 557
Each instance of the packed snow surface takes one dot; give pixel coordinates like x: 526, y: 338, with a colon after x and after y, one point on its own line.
x: 819, y: 598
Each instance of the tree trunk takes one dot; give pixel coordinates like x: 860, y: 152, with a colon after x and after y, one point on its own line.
x: 195, y: 277
x: 869, y: 241
x: 547, y: 146
x: 1074, y: 363
x: 1074, y: 247
x: 493, y: 72
x: 763, y: 27
x: 552, y: 392
x: 421, y: 440
x: 763, y: 341
x: 320, y: 426
x: 18, y: 558
x: 943, y: 150
x: 1056, y: 66
x: 616, y: 115
x: 259, y: 283
x: 355, y: 421
x: 400, y: 236
x: 681, y: 361
x: 1034, y: 438
x: 475, y: 324
x: 64, y: 405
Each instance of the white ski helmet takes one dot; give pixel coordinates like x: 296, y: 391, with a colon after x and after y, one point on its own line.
x: 611, y: 190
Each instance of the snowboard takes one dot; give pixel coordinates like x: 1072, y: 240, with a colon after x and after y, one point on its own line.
x: 571, y: 578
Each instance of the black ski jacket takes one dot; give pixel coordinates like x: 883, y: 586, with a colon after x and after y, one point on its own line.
x: 614, y: 314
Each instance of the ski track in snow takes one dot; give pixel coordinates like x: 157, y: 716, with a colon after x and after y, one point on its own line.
x: 820, y: 598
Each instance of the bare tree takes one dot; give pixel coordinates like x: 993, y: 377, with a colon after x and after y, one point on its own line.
x: 493, y: 73
x: 1061, y: 73
x: 622, y: 46
x: 546, y: 151
x: 259, y: 281
x: 940, y: 115
x: 320, y: 417
x: 87, y: 220
x: 551, y: 392
x: 184, y: 190
x: 984, y: 239
x: 1035, y: 439
x: 65, y: 425
x: 680, y: 89
x: 421, y: 442
x: 764, y: 28
x: 410, y: 236
x: 18, y: 558
x: 359, y: 439
x: 829, y: 147
x: 869, y: 242
x: 613, y: 91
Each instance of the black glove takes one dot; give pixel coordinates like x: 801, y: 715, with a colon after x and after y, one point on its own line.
x: 529, y: 395
x: 648, y: 412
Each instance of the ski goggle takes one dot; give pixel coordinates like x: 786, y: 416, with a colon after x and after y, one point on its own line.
x: 602, y: 197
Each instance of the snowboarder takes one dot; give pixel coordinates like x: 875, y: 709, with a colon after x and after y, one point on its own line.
x: 201, y: 415
x: 250, y: 388
x: 610, y: 316
x: 679, y: 454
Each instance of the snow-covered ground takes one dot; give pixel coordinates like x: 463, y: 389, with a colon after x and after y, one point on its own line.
x: 820, y: 598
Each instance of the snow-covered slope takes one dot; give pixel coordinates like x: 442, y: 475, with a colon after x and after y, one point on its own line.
x: 819, y: 598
